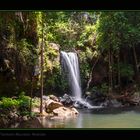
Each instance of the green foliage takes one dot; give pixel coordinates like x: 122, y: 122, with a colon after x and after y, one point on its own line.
x: 121, y: 30
x: 51, y: 59
x: 84, y: 66
x: 109, y: 33
x: 103, y: 88
x: 69, y: 29
x: 126, y: 70
x: 90, y: 33
x: 18, y: 41
x: 9, y: 102
x: 87, y: 36
x: 26, y: 52
x: 36, y: 102
x: 22, y: 103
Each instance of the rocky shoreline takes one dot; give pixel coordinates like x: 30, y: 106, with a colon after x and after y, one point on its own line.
x: 62, y: 108
x: 52, y: 109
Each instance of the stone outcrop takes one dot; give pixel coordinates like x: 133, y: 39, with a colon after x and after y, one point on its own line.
x: 58, y: 110
x: 63, y: 113
x: 67, y: 100
x: 54, y: 98
x: 50, y: 105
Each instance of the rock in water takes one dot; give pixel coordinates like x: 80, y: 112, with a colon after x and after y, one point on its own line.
x: 50, y: 105
x: 64, y: 113
x: 75, y: 111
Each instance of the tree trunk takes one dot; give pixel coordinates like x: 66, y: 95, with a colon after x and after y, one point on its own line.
x: 41, y: 96
x: 136, y: 61
x: 112, y: 62
x: 90, y: 76
x: 136, y: 66
x: 31, y: 96
x: 110, y: 72
x: 119, y: 75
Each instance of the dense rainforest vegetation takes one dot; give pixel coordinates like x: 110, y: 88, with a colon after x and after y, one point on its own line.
x: 107, y: 44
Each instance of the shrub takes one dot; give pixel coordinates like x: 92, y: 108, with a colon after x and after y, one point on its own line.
x: 9, y: 102
x: 24, y: 102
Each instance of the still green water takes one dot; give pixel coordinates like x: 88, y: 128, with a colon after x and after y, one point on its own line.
x: 127, y: 118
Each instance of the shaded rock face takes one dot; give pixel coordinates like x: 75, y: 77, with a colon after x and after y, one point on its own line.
x: 8, y: 117
x: 95, y: 98
x: 4, y: 123
x: 67, y: 100
x: 112, y: 103
x: 100, y: 99
x: 116, y: 101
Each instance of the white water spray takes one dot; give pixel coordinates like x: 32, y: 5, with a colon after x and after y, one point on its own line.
x: 70, y: 65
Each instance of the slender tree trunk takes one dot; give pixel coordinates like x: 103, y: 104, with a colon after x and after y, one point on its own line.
x: 42, y: 68
x: 110, y: 72
x: 136, y: 67
x: 31, y: 96
x: 136, y: 61
x: 112, y: 61
x: 90, y: 76
x: 119, y: 76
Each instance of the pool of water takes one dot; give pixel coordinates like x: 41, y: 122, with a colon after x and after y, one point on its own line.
x: 110, y: 118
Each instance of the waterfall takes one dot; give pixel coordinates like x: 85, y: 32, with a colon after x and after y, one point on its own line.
x: 71, y: 67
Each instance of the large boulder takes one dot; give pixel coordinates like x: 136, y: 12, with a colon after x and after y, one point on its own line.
x: 64, y: 113
x: 54, y: 98
x: 135, y: 99
x: 67, y: 100
x: 50, y: 105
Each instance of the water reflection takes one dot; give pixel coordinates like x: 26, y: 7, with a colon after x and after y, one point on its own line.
x: 80, y: 121
x: 90, y: 119
x: 47, y: 123
x: 121, y: 118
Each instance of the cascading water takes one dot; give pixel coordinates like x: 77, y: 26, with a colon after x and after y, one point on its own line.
x: 70, y: 66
